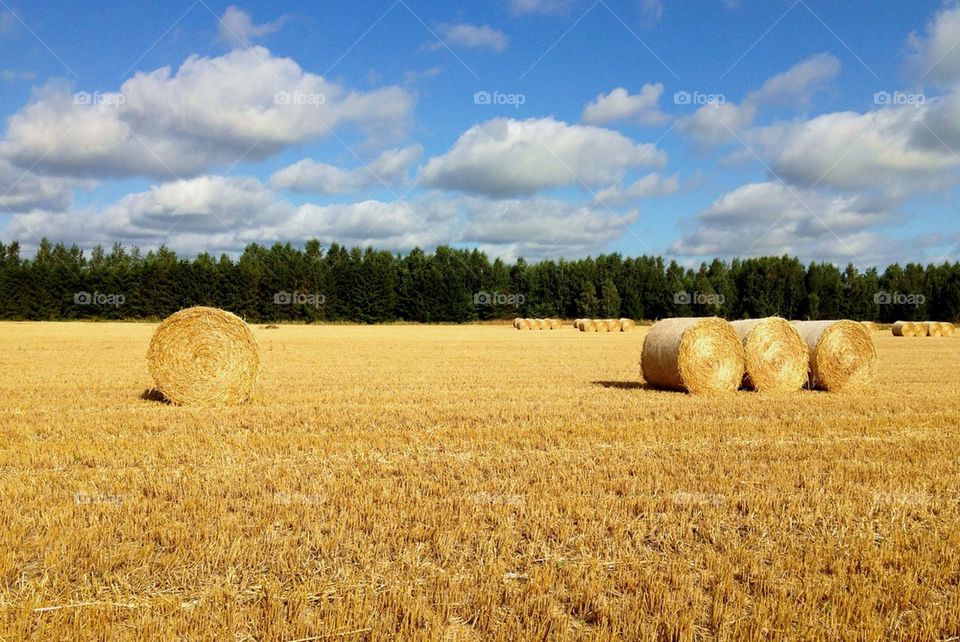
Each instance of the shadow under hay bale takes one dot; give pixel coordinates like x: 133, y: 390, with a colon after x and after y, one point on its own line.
x: 626, y: 385
x: 152, y: 394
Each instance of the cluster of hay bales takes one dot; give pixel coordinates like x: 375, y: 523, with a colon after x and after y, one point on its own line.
x: 204, y: 356
x: 711, y: 355
x: 923, y: 329
x: 537, y: 324
x: 605, y: 325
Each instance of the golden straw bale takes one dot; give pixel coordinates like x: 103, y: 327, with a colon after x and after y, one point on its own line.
x: 842, y: 354
x: 204, y: 356
x: 776, y: 355
x: 700, y: 355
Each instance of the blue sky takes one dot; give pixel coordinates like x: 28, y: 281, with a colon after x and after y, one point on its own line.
x: 535, y: 128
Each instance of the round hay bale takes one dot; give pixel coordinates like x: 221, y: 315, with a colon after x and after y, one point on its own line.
x: 934, y: 329
x: 842, y: 354
x: 776, y: 355
x: 587, y: 325
x: 904, y: 329
x: 601, y: 325
x: 947, y: 328
x: 204, y: 356
x: 517, y: 322
x: 536, y: 324
x: 700, y: 355
x: 521, y: 324
x: 627, y: 325
x: 555, y: 324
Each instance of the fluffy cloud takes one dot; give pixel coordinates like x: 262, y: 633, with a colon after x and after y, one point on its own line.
x: 771, y: 218
x: 470, y: 36
x: 935, y: 54
x: 650, y: 186
x: 238, y: 29
x: 320, y: 178
x: 246, y: 104
x: 223, y: 214
x: 538, y: 227
x: 506, y: 157
x: 798, y: 84
x: 719, y: 122
x: 620, y: 105
x: 23, y: 191
x: 878, y: 150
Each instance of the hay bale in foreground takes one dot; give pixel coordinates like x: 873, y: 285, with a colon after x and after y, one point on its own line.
x: 627, y: 325
x: 700, y: 355
x: 204, y: 356
x: 776, y: 355
x: 842, y: 354
x: 904, y: 329
x: 934, y: 329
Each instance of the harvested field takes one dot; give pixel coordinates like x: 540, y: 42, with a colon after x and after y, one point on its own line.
x: 470, y: 483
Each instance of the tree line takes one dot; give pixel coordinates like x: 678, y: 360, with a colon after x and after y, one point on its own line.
x: 286, y: 283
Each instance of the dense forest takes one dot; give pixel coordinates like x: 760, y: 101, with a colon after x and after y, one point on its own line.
x: 284, y: 283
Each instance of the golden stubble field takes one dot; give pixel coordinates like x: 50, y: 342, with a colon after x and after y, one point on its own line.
x: 470, y: 483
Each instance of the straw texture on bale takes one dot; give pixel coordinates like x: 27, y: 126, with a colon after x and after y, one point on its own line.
x: 904, y: 329
x: 776, y: 355
x: 842, y: 354
x: 700, y: 355
x: 204, y: 356
x: 626, y: 325
x: 934, y: 329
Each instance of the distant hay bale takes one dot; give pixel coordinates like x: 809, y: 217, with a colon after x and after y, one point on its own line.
x: 934, y: 329
x: 587, y: 325
x: 842, y: 354
x: 601, y: 325
x: 521, y: 324
x: 536, y: 324
x: 871, y: 326
x: 613, y: 325
x: 204, y: 356
x: 700, y: 355
x: 776, y: 355
x: 904, y: 329
x: 947, y: 328
x: 627, y: 325
x: 555, y: 324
